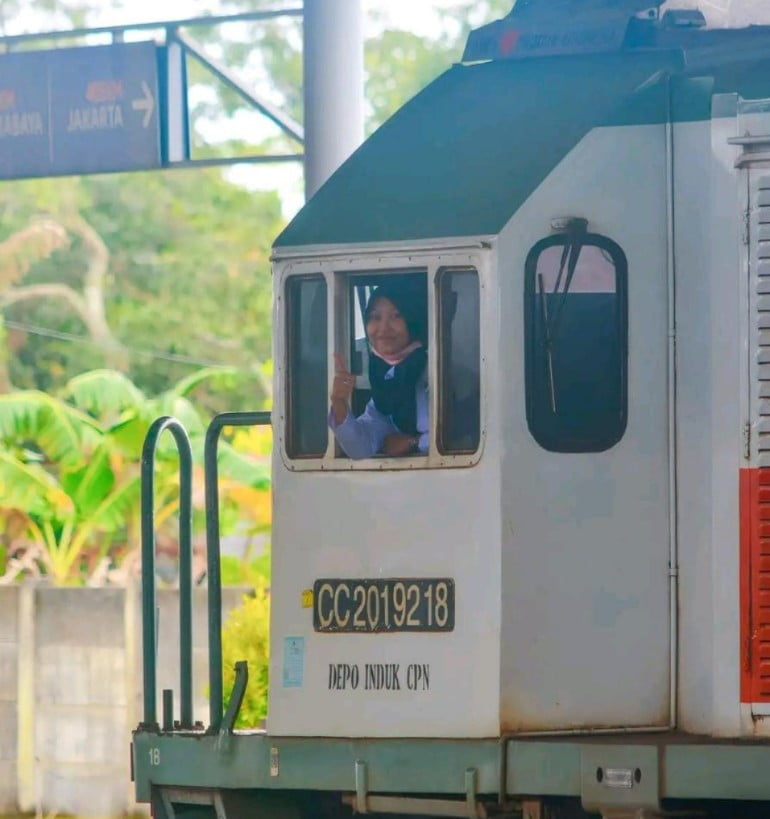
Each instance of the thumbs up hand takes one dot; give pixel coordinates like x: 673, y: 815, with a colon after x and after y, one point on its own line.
x: 342, y: 388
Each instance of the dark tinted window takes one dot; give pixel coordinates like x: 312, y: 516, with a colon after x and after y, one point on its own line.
x: 307, y: 434
x: 459, y: 361
x: 576, y: 342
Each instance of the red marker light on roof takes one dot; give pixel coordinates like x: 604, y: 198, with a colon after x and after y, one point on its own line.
x: 508, y: 41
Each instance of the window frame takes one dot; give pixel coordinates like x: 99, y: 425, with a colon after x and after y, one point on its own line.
x: 549, y: 442
x: 337, y: 270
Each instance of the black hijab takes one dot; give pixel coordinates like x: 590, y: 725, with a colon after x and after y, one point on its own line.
x: 393, y: 386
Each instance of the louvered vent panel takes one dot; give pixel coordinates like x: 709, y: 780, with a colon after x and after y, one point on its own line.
x: 760, y: 266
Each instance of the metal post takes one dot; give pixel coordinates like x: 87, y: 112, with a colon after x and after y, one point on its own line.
x: 333, y: 68
x: 177, y: 134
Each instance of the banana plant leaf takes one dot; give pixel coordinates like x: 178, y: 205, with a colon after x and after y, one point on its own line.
x: 104, y: 394
x: 185, y: 386
x: 235, y: 465
x: 29, y: 488
x: 113, y: 511
x: 91, y: 484
x: 62, y: 433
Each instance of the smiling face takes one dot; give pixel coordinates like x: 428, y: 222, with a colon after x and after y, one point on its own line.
x: 386, y: 329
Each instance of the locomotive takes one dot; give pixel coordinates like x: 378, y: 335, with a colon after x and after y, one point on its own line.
x: 562, y: 607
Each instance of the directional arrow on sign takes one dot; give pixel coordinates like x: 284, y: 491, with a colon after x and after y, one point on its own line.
x: 145, y: 103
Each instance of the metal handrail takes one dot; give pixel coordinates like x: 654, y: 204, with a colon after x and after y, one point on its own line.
x: 225, y: 419
x: 149, y: 610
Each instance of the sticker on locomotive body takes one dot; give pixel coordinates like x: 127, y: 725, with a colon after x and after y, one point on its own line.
x: 383, y: 605
x: 293, y: 662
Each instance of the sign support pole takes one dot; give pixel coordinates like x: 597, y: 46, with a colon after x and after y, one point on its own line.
x: 334, y: 86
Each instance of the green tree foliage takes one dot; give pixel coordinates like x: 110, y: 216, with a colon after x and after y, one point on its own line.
x: 186, y: 278
x: 400, y: 63
x: 196, y: 256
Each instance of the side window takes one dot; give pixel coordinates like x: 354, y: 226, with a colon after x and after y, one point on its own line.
x: 307, y: 380
x: 576, y: 342
x: 459, y: 361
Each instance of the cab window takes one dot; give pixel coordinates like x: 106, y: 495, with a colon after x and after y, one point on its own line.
x: 576, y: 342
x: 425, y: 414
x: 307, y: 383
x: 459, y: 362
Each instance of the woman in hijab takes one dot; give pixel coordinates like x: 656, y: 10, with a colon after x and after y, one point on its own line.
x: 395, y: 420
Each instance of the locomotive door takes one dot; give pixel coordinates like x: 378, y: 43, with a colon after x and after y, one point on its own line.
x: 586, y: 609
x: 755, y: 476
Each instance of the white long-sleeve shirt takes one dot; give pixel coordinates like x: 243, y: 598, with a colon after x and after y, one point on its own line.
x: 364, y: 436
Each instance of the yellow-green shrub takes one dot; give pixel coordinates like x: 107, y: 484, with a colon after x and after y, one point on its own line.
x: 246, y: 636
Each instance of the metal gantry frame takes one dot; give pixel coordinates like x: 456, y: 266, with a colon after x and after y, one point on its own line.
x: 182, y: 44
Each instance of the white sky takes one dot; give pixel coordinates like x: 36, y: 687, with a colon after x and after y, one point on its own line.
x: 413, y: 15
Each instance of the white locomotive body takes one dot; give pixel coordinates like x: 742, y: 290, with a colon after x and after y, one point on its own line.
x: 604, y: 531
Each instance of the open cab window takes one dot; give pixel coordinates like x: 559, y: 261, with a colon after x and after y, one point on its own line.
x: 361, y: 287
x: 439, y: 411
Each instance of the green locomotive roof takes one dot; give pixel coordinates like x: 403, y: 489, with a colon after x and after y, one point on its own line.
x: 462, y: 156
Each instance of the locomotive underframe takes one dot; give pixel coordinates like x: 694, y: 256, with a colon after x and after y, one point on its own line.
x: 637, y: 772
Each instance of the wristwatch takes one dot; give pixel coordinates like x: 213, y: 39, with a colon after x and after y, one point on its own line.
x: 414, y: 444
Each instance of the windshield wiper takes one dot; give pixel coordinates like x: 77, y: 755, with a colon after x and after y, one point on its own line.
x: 548, y: 343
x: 575, y: 233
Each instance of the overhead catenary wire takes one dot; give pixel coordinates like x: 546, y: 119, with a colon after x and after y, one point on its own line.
x: 60, y: 335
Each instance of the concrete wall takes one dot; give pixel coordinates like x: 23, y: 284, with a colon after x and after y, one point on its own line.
x: 9, y: 652
x: 71, y: 692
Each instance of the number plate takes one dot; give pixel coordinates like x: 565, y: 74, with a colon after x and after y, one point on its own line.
x: 371, y: 606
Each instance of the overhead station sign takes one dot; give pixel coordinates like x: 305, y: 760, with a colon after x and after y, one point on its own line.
x: 79, y: 111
